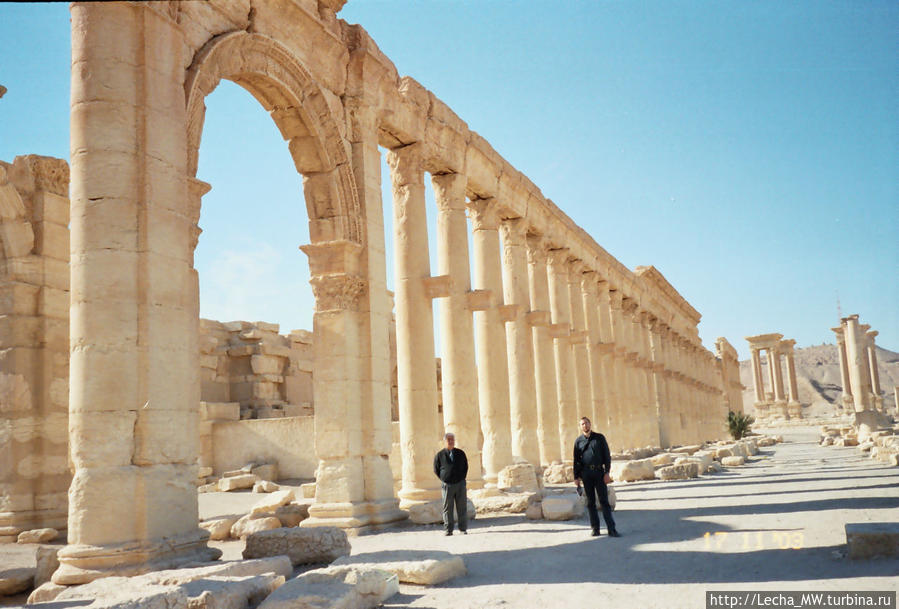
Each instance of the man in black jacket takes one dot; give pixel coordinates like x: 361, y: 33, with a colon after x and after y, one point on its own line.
x: 592, y: 464
x: 451, y: 466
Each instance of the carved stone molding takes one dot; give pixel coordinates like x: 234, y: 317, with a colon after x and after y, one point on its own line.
x: 337, y: 292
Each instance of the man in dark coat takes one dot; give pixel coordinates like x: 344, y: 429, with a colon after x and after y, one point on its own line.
x: 451, y: 466
x: 592, y: 464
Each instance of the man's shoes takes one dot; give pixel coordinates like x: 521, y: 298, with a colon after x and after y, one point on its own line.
x: 594, y: 533
x: 465, y: 531
x: 614, y: 533
x: 448, y: 533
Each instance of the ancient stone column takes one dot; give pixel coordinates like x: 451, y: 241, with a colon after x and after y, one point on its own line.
x: 460, y: 376
x: 493, y: 372
x: 579, y: 341
x: 589, y: 296
x: 544, y: 360
x: 875, y: 373
x: 561, y: 329
x: 416, y: 367
x: 845, y: 401
x: 777, y: 374
x: 794, y: 409
x: 522, y: 385
x: 134, y: 385
x: 606, y: 350
x: 372, y: 309
x: 857, y: 360
x: 620, y: 377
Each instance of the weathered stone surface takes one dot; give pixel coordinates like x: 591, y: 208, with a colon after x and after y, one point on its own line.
x: 219, y: 528
x: 872, y: 539
x: 249, y: 524
x: 423, y: 567
x: 563, y: 507
x: 515, y: 503
x: 521, y: 476
x: 663, y: 459
x: 313, y: 545
x: 733, y: 461
x: 237, y: 482
x: 534, y: 511
x: 270, y: 504
x: 265, y: 486
x: 679, y: 472
x: 38, y: 536
x: 292, y: 514
x: 308, y: 490
x: 266, y: 471
x: 724, y: 451
x: 558, y: 473
x: 14, y: 581
x: 47, y: 563
x: 431, y: 512
x: 689, y: 450
x: 766, y: 441
x: 629, y: 471
x: 47, y: 591
x: 344, y: 587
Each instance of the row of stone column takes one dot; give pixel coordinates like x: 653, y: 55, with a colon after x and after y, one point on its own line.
x: 774, y: 402
x: 858, y: 366
x: 538, y: 341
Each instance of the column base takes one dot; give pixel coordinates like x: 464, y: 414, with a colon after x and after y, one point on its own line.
x: 779, y: 409
x: 794, y: 409
x: 80, y: 564
x: 355, y: 518
x: 416, y: 496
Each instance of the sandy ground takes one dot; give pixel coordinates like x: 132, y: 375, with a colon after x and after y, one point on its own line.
x: 775, y: 524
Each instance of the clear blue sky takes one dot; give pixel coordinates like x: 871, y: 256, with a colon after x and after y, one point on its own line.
x: 749, y: 150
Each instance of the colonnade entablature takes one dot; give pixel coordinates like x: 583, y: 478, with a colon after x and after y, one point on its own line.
x: 858, y: 366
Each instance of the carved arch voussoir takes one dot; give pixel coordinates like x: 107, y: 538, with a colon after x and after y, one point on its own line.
x: 284, y: 87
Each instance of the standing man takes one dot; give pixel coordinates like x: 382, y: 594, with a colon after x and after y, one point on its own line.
x: 592, y: 464
x: 451, y: 466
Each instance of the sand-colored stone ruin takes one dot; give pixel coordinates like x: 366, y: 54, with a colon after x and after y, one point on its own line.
x: 858, y: 366
x: 775, y: 401
x: 541, y: 327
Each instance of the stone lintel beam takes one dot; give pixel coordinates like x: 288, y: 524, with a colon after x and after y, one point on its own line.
x: 480, y: 300
x: 438, y: 286
x: 537, y: 319
x: 559, y: 330
x: 508, y: 312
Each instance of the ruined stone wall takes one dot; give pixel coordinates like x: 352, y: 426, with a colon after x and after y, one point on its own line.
x: 34, y: 344
x: 732, y: 388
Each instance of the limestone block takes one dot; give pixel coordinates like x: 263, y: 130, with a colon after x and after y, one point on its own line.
x: 204, y: 471
x: 267, y: 364
x: 271, y: 503
x: 430, y: 512
x: 38, y: 536
x: 17, y: 238
x: 212, y: 487
x: 308, y: 490
x: 233, y: 483
x: 733, y: 461
x: 46, y: 592
x: 248, y: 525
x: 740, y: 449
x: 265, y: 486
x: 629, y: 471
x: 686, y: 449
x: 50, y: 207
x: 679, y: 472
x: 522, y: 476
x: 266, y: 471
x: 828, y: 441
x: 558, y: 473
x: 563, y: 507
x: 663, y: 459
x: 714, y: 468
x: 724, y: 451
x: 219, y: 528
x: 872, y: 539
x: 344, y: 587
x: 116, y: 428
x: 422, y: 567
x: 865, y: 447
x: 14, y: 581
x: 303, y: 546
x: 52, y: 240
x: 515, y: 503
x: 47, y: 562
x: 534, y: 511
x: 703, y: 459
x: 292, y: 514
x: 751, y: 446
x: 8, y: 539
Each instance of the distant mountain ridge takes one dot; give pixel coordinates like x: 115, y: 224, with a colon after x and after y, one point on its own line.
x: 819, y: 381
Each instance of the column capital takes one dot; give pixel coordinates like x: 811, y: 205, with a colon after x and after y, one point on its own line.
x: 536, y: 249
x: 337, y: 292
x: 449, y: 191
x: 615, y: 299
x: 514, y: 231
x: 406, y: 166
x: 576, y: 267
x: 484, y: 214
x: 589, y: 283
x: 558, y: 259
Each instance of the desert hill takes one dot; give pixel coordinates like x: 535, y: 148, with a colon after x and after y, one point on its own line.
x: 818, y: 378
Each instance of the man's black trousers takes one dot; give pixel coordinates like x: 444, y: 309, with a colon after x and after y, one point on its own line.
x: 593, y: 486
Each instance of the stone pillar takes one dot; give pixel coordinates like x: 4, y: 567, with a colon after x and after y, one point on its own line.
x: 544, y: 361
x: 623, y: 410
x: 857, y: 362
x: 589, y: 296
x: 373, y: 308
x: 460, y: 376
x: 579, y: 343
x: 794, y: 409
x: 606, y: 350
x: 846, y: 403
x: 522, y: 386
x: 134, y: 387
x: 757, y: 381
x: 875, y: 373
x: 415, y: 362
x: 561, y: 331
x: 493, y: 371
x: 34, y: 345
